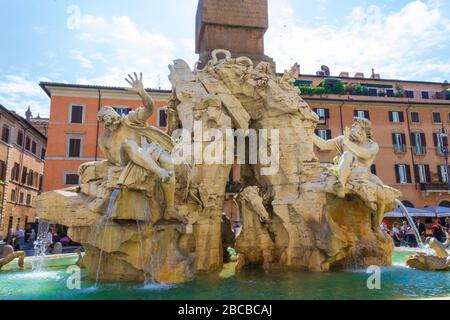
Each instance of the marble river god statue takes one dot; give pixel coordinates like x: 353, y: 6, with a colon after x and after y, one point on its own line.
x: 152, y: 209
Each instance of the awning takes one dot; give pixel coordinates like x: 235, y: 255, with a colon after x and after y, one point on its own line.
x: 414, y: 212
x: 440, y: 212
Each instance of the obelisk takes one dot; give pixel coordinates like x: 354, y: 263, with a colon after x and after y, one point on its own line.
x: 235, y: 25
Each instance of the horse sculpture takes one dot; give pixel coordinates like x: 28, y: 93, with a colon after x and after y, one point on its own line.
x: 254, y: 244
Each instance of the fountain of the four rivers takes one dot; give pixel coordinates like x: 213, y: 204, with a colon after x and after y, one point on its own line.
x: 151, y: 212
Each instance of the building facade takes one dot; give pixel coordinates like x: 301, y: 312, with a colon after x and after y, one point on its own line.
x: 408, y: 118
x: 73, y: 129
x: 22, y: 154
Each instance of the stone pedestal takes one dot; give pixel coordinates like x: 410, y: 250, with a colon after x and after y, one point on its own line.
x: 235, y: 25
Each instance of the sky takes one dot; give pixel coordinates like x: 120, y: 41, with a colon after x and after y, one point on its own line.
x: 99, y: 42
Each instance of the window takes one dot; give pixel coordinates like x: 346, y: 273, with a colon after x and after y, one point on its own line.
x: 28, y: 199
x: 419, y: 142
x: 33, y: 147
x: 20, y: 138
x: 71, y: 179
x: 415, y: 118
x: 43, y: 152
x: 76, y: 114
x: 373, y: 169
x: 409, y: 94
x: 362, y: 114
x: 74, y: 148
x: 13, y: 195
x: 437, y: 117
x: 440, y: 143
x: 24, y: 175
x: 2, y: 170
x: 325, y: 134
x: 399, y: 142
x: 425, y: 95
x: 6, y: 132
x: 324, y: 115
x: 162, y: 118
x: 10, y: 222
x: 443, y: 173
x: 35, y: 179
x: 403, y: 173
x: 422, y: 173
x: 21, y: 197
x: 27, y: 143
x: 373, y: 92
x: 390, y: 93
x: 15, y: 172
x: 122, y: 111
x: 41, y: 182
x: 30, y: 178
x: 396, y: 116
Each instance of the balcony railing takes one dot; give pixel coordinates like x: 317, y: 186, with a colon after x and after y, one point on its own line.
x: 435, y: 187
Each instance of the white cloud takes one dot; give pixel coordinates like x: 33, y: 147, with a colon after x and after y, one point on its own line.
x: 397, y: 44
x: 17, y: 93
x: 117, y: 46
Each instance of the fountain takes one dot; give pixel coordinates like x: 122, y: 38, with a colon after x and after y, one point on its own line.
x: 40, y: 245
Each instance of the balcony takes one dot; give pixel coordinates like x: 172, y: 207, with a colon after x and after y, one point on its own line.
x: 435, y: 187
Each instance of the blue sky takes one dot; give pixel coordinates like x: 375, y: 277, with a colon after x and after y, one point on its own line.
x: 40, y: 41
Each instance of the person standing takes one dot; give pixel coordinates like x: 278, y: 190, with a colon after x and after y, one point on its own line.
x: 396, y: 234
x: 421, y: 228
x: 19, y: 236
x: 9, y: 239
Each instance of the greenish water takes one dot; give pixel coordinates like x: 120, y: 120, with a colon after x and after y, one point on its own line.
x: 397, y: 282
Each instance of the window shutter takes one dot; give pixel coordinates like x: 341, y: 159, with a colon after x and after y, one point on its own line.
x: 423, y: 139
x: 408, y: 173
x: 413, y: 139
x: 329, y: 136
x: 403, y: 139
x: 435, y: 138
x: 439, y: 170
x: 316, y: 132
x: 327, y: 113
x: 373, y: 169
x: 397, y: 174
x: 394, y: 140
x: 355, y: 113
x: 367, y: 115
x: 391, y: 116
x: 402, y: 117
x: 416, y: 173
x: 315, y: 110
x: 428, y: 173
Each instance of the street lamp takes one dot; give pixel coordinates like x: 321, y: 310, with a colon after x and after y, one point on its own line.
x: 445, y: 148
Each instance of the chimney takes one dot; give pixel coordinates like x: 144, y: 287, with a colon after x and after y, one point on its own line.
x: 359, y: 75
x: 376, y: 76
x: 344, y: 74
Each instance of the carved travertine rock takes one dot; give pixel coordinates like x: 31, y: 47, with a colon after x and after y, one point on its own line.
x: 438, y: 262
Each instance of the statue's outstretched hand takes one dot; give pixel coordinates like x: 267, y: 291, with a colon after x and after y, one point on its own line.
x: 135, y: 83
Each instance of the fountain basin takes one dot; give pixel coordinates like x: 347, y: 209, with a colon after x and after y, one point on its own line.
x: 397, y: 282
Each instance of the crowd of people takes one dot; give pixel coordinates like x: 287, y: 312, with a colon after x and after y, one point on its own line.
x: 404, y: 234
x: 20, y: 239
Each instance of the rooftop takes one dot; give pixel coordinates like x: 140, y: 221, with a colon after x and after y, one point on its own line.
x: 22, y: 120
x: 44, y: 86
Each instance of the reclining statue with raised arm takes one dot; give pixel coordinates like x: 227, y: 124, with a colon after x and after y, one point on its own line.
x: 141, y: 149
x: 356, y: 152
